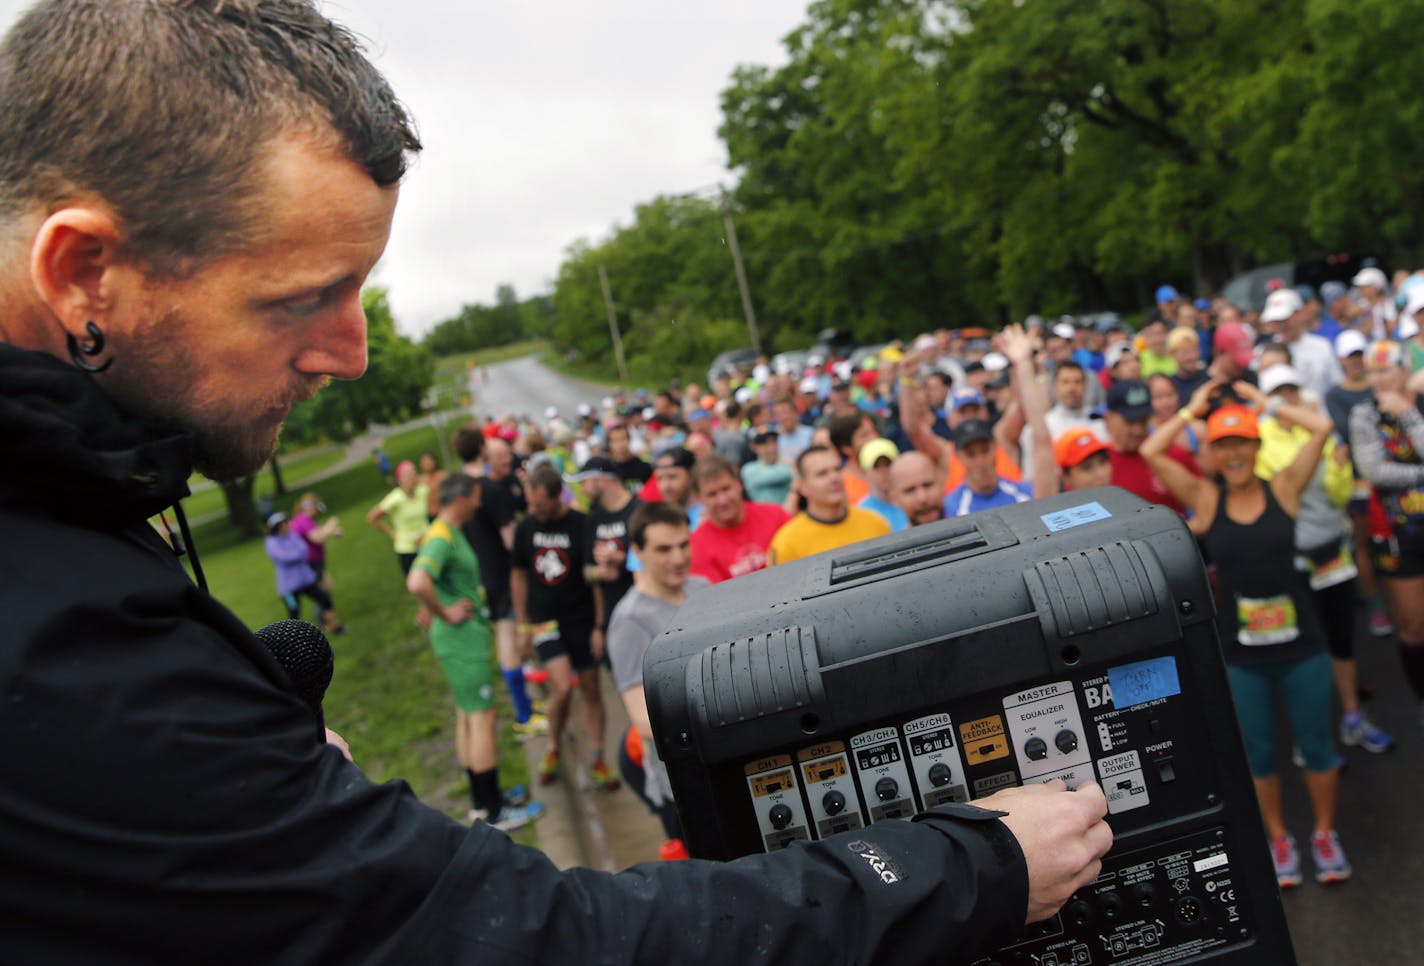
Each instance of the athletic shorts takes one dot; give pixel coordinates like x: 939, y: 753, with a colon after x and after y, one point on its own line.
x: 465, y: 652
x: 1401, y: 555
x: 559, y: 640
x: 501, y: 606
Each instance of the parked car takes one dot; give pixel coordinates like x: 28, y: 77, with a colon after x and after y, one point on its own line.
x: 1248, y: 290
x: 726, y: 363
x: 834, y: 343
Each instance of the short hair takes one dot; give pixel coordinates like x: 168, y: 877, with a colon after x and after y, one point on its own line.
x: 1180, y: 336
x: 712, y: 465
x: 454, y: 486
x: 545, y: 477
x: 843, y: 429
x: 801, y: 458
x: 1068, y: 365
x: 616, y: 428
x: 164, y: 108
x: 941, y: 376
x: 469, y: 443
x: 649, y: 514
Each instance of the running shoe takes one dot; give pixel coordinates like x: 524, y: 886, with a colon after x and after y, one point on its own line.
x: 1358, y: 731
x: 511, y: 817
x: 535, y: 675
x: 603, y: 779
x: 514, y: 797
x: 536, y: 725
x: 1287, y: 862
x: 549, y: 768
x: 1380, y: 624
x: 1330, y: 862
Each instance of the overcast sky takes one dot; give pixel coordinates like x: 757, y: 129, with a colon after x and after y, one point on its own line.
x: 545, y: 121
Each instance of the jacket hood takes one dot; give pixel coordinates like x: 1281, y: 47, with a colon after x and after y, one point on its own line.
x: 69, y: 449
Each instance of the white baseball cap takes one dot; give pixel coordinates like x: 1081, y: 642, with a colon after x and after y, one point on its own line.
x: 1370, y: 276
x: 1281, y: 305
x: 1349, y: 342
x: 1274, y: 377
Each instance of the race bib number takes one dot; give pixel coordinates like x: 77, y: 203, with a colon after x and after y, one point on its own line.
x: 1266, y: 620
x: 1336, y: 570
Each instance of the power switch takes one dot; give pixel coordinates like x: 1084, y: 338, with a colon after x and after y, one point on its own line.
x: 1166, y: 772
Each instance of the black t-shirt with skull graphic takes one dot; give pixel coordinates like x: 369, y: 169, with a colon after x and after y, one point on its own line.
x: 554, y: 554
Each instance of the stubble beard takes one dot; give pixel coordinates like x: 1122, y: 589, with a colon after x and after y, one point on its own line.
x: 159, y: 379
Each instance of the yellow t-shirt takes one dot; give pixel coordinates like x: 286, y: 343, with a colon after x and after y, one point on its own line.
x: 409, y: 516
x: 802, y: 536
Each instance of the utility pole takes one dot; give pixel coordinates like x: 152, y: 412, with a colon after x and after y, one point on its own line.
x: 747, y: 309
x: 613, y: 326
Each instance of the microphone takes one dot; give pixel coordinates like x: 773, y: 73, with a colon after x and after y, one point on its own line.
x: 305, y: 654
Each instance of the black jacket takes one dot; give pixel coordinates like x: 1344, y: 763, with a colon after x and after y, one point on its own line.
x: 163, y: 796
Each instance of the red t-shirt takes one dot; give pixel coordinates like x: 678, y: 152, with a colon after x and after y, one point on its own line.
x: 1131, y: 472
x: 720, y: 553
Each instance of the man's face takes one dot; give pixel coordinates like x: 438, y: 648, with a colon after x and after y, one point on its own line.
x: 1096, y: 470
x: 1154, y: 337
x: 1127, y: 436
x: 1354, y: 366
x: 821, y: 481
x: 1186, y: 355
x: 914, y: 490
x: 936, y: 389
x: 674, y: 482
x: 1069, y: 387
x: 499, y: 457
x: 542, y: 503
x: 786, y: 417
x: 618, y: 443
x: 978, y: 459
x: 227, y: 352
x: 466, y: 506
x: 766, y: 450
x: 666, y: 555
x: 721, y: 497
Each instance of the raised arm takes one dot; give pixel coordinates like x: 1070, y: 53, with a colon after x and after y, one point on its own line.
x: 1033, y: 402
x: 1195, y: 492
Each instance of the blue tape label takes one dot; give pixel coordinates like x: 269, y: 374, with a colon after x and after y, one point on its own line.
x: 1144, y: 681
x: 1075, y: 516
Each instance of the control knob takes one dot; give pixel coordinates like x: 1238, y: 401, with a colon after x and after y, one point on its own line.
x: 886, y: 789
x: 940, y: 774
x: 780, y: 816
x: 1066, y: 741
x: 1036, y: 749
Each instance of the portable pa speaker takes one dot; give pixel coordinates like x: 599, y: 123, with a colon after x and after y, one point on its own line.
x: 1070, y: 637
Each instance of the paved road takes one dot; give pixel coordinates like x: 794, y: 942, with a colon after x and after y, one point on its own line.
x: 1377, y: 918
x: 527, y: 387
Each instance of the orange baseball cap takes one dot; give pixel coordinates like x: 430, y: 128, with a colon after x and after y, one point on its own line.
x: 1076, y: 445
x: 1239, y: 421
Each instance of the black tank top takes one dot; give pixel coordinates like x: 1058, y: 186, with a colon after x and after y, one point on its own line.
x: 1265, y: 611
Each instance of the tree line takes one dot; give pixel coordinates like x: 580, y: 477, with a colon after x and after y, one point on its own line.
x: 919, y: 163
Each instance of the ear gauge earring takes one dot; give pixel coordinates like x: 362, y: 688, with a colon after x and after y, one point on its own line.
x: 80, y: 354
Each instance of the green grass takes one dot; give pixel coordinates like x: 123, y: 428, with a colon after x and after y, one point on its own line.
x: 208, y: 498
x: 388, y: 697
